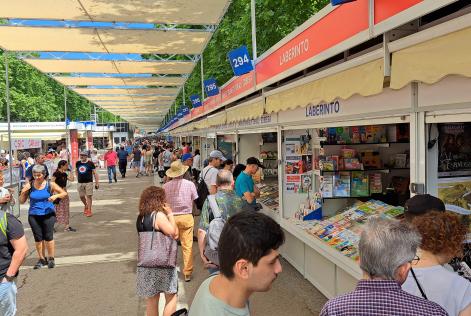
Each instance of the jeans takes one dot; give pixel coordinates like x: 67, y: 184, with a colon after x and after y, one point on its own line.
x: 111, y: 170
x: 8, y: 298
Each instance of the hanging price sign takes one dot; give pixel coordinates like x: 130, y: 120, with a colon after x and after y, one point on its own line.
x: 240, y: 61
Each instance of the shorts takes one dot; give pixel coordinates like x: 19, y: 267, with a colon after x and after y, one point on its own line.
x: 42, y: 226
x: 85, y: 189
x: 135, y: 164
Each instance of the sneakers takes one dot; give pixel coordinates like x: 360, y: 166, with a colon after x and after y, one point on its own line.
x: 187, y: 278
x: 70, y: 229
x: 50, y: 263
x: 41, y: 263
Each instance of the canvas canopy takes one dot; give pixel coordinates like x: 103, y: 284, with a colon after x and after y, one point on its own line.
x: 120, y: 81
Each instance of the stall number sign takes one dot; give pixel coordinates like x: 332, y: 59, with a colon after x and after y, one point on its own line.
x: 338, y: 2
x: 211, y: 87
x: 240, y: 61
x: 195, y: 100
x: 185, y: 111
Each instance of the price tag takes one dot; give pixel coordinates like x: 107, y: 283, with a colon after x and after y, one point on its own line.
x: 240, y: 61
x: 211, y: 87
x: 195, y: 100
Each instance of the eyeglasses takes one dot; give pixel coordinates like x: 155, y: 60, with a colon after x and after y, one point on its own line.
x: 415, y: 260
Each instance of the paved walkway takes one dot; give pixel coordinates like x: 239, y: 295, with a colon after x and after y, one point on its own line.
x: 95, y: 272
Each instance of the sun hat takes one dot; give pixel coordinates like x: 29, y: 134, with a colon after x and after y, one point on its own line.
x: 177, y: 169
x: 186, y: 156
x: 217, y: 154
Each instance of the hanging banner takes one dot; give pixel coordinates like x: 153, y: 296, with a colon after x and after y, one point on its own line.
x: 211, y: 87
x: 25, y: 144
x: 74, y: 146
x: 240, y: 61
x: 237, y: 86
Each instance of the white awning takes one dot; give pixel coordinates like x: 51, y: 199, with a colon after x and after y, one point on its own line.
x: 143, y: 11
x: 120, y: 81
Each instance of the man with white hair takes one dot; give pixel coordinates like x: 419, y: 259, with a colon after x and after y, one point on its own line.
x: 387, y: 250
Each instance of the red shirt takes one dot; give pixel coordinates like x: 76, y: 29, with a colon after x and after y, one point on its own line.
x: 110, y: 158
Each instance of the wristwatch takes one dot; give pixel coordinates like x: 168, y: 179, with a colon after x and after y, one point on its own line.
x: 9, y: 278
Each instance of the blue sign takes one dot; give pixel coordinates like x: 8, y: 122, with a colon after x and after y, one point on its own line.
x: 185, y: 111
x: 338, y: 2
x: 195, y: 100
x: 211, y: 87
x: 179, y: 114
x: 240, y: 61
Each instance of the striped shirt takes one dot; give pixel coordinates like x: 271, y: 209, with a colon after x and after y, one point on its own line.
x: 380, y: 297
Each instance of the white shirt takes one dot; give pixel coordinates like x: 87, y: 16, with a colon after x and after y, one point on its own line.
x: 441, y: 286
x: 197, y: 162
x: 209, y: 174
x: 7, y: 207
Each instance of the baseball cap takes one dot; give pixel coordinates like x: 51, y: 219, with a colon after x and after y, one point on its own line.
x: 186, y: 156
x: 254, y: 161
x: 217, y: 154
x: 83, y: 153
x: 423, y: 203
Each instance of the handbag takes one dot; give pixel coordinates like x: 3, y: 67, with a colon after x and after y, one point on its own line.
x: 156, y: 250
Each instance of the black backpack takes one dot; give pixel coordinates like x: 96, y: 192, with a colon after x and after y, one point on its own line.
x: 202, y: 190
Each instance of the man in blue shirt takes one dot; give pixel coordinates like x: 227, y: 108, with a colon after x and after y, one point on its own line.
x: 245, y: 187
x: 123, y: 161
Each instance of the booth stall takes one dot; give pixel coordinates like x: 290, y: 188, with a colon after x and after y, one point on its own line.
x: 355, y: 140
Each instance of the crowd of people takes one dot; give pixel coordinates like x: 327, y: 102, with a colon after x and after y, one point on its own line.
x: 214, y: 203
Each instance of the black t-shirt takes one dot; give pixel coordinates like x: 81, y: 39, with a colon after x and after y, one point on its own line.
x: 137, y: 154
x: 14, y: 231
x: 61, y: 178
x: 29, y: 172
x: 85, y: 171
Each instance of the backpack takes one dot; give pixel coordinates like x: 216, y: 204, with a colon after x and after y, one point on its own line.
x: 202, y: 190
x: 167, y: 158
x: 3, y: 223
x: 214, y: 232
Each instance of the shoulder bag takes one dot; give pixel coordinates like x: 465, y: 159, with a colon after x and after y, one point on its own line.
x: 156, y: 250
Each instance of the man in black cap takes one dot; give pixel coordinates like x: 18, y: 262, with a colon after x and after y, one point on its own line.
x: 245, y: 187
x: 421, y: 204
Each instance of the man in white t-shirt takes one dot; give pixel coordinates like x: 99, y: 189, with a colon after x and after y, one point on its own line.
x: 210, y: 172
x: 248, y: 261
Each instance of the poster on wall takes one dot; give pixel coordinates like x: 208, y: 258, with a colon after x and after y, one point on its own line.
x: 456, y: 194
x: 298, y: 164
x: 226, y: 146
x: 454, y: 143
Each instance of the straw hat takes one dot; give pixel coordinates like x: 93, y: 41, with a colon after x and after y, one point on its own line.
x: 176, y: 169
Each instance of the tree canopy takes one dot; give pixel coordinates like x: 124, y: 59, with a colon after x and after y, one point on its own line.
x: 274, y: 20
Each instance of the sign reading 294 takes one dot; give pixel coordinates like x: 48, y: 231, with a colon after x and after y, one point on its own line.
x: 240, y: 61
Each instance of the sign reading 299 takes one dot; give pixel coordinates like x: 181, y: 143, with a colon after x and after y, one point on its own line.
x: 240, y: 61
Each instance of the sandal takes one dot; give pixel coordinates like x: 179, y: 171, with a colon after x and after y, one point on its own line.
x: 70, y: 229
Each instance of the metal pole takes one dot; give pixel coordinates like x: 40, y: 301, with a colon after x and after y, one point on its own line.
x: 67, y: 136
x: 254, y: 30
x: 202, y: 80
x: 184, y: 103
x: 7, y: 94
x: 103, y: 128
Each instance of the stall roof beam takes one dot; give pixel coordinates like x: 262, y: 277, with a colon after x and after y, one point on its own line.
x: 111, y: 91
x: 120, y: 81
x: 195, y: 12
x: 112, y: 67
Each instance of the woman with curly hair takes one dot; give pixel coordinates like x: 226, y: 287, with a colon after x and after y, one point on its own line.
x: 153, y: 281
x: 443, y: 234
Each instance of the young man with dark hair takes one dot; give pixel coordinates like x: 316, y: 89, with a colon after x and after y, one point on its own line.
x: 248, y: 261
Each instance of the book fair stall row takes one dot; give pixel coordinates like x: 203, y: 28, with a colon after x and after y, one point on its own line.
x: 355, y: 140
